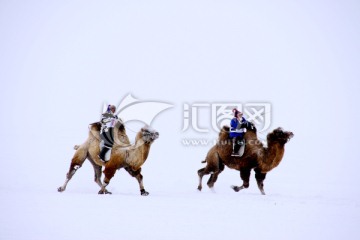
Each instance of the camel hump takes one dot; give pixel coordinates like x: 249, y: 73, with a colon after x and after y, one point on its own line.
x: 226, y: 128
x: 76, y: 147
x: 96, y: 126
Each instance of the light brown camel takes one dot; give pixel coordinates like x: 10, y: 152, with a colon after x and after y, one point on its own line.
x: 256, y: 156
x: 130, y: 158
x: 90, y: 150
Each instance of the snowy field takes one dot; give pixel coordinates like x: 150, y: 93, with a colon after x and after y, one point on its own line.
x: 60, y: 61
x: 284, y: 214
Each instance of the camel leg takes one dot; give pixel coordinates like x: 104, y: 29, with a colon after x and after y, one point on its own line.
x: 76, y: 163
x: 209, y: 182
x: 245, y: 176
x: 139, y: 178
x: 214, y: 166
x: 97, y: 177
x: 69, y: 175
x: 260, y: 177
x: 213, y: 178
x: 201, y: 173
x: 109, y: 172
x: 97, y: 172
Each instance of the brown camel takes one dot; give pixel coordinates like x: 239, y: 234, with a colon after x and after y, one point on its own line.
x: 90, y: 150
x: 130, y: 158
x: 256, y: 156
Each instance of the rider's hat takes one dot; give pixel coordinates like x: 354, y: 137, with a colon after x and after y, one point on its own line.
x: 235, y: 111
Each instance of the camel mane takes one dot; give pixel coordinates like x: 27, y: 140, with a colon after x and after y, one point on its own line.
x: 279, y: 135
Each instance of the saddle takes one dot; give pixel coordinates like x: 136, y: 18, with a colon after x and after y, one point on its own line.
x: 241, y: 149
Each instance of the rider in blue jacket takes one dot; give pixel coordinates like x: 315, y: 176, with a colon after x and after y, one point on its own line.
x: 236, y: 131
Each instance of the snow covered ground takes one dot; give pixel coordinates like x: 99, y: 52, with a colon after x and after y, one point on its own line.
x: 283, y: 214
x: 60, y: 61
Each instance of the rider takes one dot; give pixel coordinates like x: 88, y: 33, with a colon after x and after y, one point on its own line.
x: 108, y: 121
x: 236, y: 131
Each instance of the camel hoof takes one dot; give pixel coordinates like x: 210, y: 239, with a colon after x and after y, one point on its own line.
x: 262, y: 192
x: 144, y: 193
x: 60, y: 189
x: 236, y: 188
x: 199, y: 188
x: 104, y: 192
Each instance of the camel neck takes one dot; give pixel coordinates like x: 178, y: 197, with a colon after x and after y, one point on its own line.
x: 138, y: 154
x: 275, y: 153
x: 144, y: 149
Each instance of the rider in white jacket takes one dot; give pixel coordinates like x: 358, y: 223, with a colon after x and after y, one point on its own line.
x: 108, y: 121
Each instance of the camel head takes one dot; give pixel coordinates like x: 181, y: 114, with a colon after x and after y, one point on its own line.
x: 280, y: 136
x: 148, y: 134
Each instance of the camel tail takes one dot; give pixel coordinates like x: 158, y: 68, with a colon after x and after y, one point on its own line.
x: 76, y: 147
x: 203, y: 161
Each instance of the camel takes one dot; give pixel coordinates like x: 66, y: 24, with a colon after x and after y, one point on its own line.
x: 90, y: 150
x: 130, y: 158
x: 256, y: 156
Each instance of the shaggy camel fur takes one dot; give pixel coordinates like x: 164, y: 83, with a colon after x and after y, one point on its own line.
x: 256, y: 156
x: 130, y: 158
x: 90, y: 150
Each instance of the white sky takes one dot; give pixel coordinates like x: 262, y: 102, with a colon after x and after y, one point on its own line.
x: 61, y: 60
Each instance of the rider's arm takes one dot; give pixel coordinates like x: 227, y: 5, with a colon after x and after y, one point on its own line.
x: 244, y: 120
x: 233, y: 124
